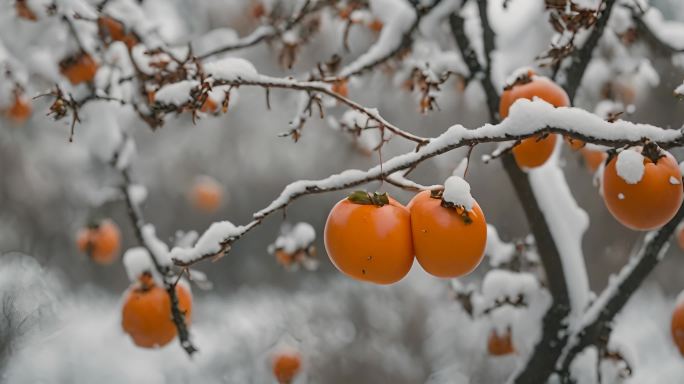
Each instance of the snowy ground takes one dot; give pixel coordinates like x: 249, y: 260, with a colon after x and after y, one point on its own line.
x: 347, y: 332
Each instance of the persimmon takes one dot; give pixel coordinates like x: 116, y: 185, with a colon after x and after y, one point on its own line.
x: 116, y: 31
x: 285, y: 365
x: 24, y: 11
x: 449, y: 241
x: 146, y: 313
x: 575, y: 144
x: 500, y: 345
x: 643, y: 191
x: 258, y: 10
x: 375, y: 25
x: 206, y: 194
x: 284, y: 258
x: 100, y: 241
x: 20, y: 110
x: 593, y: 158
x: 80, y: 68
x: 209, y: 105
x: 680, y: 237
x: 368, y: 237
x: 677, y: 325
x: 340, y: 87
x: 534, y: 151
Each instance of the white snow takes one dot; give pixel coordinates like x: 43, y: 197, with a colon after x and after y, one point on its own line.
x: 501, y: 283
x: 137, y: 193
x: 231, y: 69
x: 621, y: 196
x: 209, y: 243
x: 675, y: 181
x: 679, y: 91
x: 457, y: 192
x: 567, y: 222
x: 138, y: 261
x: 461, y: 168
x: 397, y: 17
x: 159, y: 249
x: 499, y: 252
x: 630, y: 166
x: 297, y: 238
x: 176, y: 93
x: 125, y: 154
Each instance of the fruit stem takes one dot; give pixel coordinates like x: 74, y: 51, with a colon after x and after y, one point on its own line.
x: 652, y: 152
x: 460, y: 210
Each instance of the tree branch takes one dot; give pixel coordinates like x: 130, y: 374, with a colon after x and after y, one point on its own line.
x: 580, y: 58
x: 138, y: 222
x: 527, y: 119
x: 596, y: 324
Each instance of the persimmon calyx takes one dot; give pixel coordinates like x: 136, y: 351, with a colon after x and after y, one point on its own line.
x: 365, y: 198
x: 460, y: 209
x: 652, y: 151
x: 523, y: 78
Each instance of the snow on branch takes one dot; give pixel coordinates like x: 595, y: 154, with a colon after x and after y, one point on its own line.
x: 596, y: 323
x: 399, y: 20
x: 527, y: 118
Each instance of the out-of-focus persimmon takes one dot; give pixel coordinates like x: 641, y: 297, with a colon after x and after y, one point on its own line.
x: 146, y: 313
x: 500, y: 345
x: 206, y: 194
x: 375, y: 25
x: 116, y: 31
x: 100, y: 241
x: 593, y: 158
x: 20, y: 110
x: 24, y: 11
x: 80, y: 68
x: 286, y: 365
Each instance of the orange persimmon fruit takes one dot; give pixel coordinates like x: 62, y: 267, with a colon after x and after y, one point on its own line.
x: 340, y: 87
x: 677, y: 326
x: 20, y: 110
x: 375, y: 25
x: 593, y: 158
x: 100, y: 241
x: 647, y: 202
x: 534, y: 151
x: 448, y: 241
x: 286, y: 365
x: 206, y: 194
x: 368, y: 237
x: 500, y: 345
x: 115, y: 30
x: 146, y: 313
x: 680, y: 237
x: 24, y: 11
x: 80, y: 68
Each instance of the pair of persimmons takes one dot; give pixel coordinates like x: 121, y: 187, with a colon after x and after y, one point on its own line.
x: 374, y: 238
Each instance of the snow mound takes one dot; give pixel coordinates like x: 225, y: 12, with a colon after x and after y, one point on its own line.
x: 630, y: 166
x: 457, y: 192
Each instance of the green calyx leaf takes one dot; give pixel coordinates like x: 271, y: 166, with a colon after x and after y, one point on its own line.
x: 365, y: 198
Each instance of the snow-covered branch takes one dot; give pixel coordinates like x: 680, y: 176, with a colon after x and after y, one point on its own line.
x: 157, y: 250
x: 596, y: 323
x: 526, y: 119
